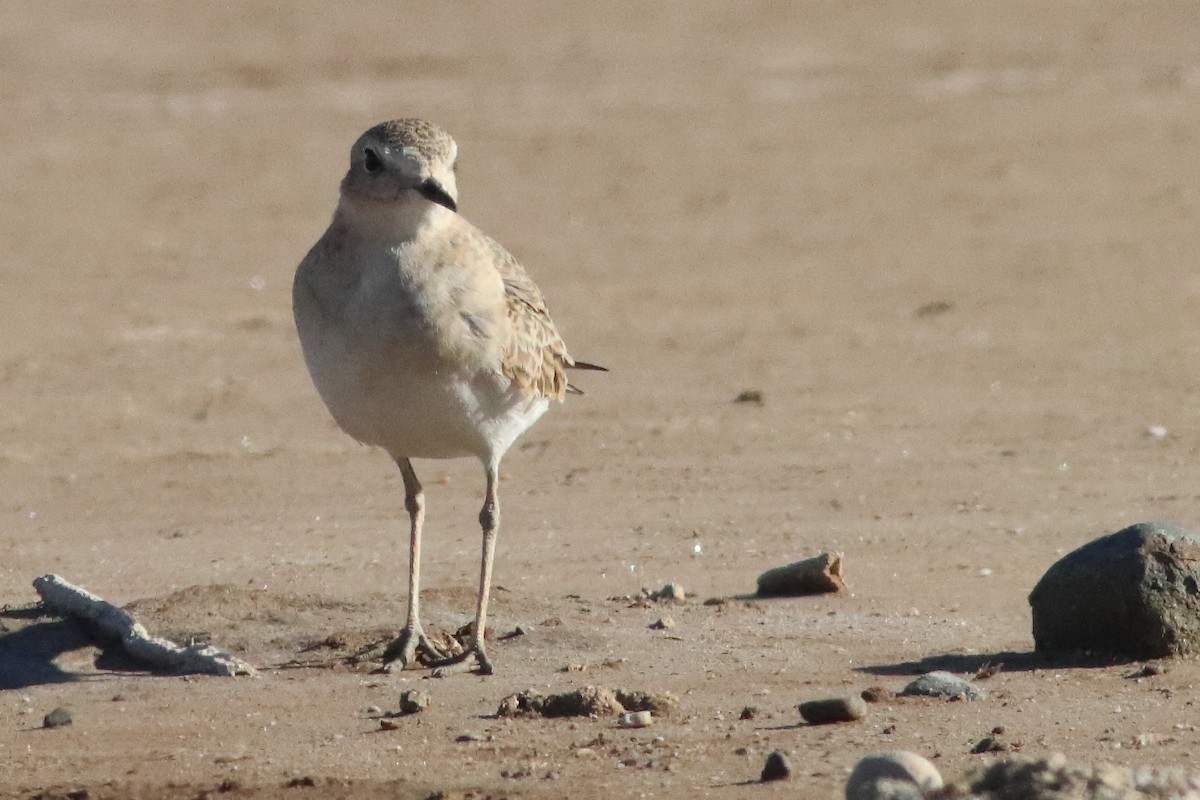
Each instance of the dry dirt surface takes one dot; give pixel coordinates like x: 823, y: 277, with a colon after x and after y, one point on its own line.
x: 952, y: 244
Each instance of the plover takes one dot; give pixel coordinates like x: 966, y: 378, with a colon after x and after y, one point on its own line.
x: 425, y: 338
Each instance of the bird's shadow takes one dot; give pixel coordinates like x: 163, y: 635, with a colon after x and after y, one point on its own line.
x: 31, y: 641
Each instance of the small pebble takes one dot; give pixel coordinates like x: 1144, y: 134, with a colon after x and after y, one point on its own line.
x: 898, y: 775
x: 877, y: 694
x: 374, y: 710
x: 388, y: 724
x: 635, y: 719
x: 749, y: 712
x: 989, y: 744
x: 833, y: 709
x: 754, y: 396
x: 413, y: 700
x: 57, y: 718
x: 777, y: 768
x: 664, y: 624
x: 671, y: 591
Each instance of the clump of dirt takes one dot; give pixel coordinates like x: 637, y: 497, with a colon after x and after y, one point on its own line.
x: 588, y: 701
x: 1053, y: 778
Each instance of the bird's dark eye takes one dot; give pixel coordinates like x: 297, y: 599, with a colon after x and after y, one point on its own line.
x: 372, y: 163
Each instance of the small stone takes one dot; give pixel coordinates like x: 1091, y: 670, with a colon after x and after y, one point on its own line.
x: 374, y: 710
x: 749, y: 712
x: 388, y: 724
x: 989, y: 744
x: 413, y: 700
x: 1147, y: 671
x: 898, y: 775
x: 777, y: 768
x: 468, y: 737
x: 635, y: 719
x: 816, y: 575
x: 933, y: 308
x: 671, y: 592
x: 519, y: 630
x: 664, y: 624
x: 833, y: 709
x: 754, y: 396
x: 57, y: 718
x: 943, y: 684
x: 877, y: 694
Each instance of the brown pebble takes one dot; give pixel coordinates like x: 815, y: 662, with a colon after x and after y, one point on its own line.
x: 750, y: 396
x: 877, y: 694
x: 388, y: 724
x: 833, y: 709
x: 777, y: 768
x: 749, y: 712
x: 413, y: 700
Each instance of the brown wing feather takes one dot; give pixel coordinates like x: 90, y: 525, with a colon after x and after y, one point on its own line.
x: 535, y: 356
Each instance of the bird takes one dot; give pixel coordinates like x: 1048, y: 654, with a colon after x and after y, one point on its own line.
x: 425, y: 338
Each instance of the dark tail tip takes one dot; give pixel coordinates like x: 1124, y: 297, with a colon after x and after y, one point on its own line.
x: 586, y: 365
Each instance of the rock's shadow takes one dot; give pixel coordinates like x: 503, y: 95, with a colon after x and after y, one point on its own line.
x: 1011, y: 661
x: 27, y: 654
x: 32, y: 641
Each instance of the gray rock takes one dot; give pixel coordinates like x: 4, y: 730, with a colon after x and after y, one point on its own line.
x: 1134, y: 593
x: 898, y: 775
x: 57, y: 718
x: 944, y: 684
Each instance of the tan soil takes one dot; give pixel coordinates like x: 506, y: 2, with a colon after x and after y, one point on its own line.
x: 954, y: 245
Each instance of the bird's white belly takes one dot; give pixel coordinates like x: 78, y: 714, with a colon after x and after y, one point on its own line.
x: 384, y: 399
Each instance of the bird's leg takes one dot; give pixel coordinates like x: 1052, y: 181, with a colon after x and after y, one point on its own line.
x: 403, y: 651
x: 489, y: 521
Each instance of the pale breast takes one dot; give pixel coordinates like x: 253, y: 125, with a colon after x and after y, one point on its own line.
x: 404, y: 349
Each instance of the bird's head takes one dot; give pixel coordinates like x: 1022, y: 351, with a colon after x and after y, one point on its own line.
x: 395, y: 158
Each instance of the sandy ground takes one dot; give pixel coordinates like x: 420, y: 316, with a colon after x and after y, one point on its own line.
x: 953, y: 244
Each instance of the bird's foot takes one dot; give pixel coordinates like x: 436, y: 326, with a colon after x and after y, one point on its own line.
x: 473, y: 660
x: 411, y: 646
